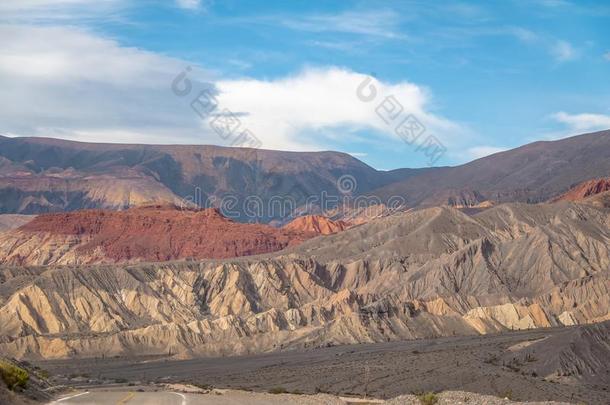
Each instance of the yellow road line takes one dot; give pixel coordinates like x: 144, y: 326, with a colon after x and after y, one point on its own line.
x: 126, y: 398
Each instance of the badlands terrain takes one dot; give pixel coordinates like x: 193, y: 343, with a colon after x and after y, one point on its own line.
x: 420, y: 274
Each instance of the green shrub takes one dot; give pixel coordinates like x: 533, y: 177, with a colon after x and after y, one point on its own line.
x: 508, y: 394
x: 13, y: 376
x: 429, y: 398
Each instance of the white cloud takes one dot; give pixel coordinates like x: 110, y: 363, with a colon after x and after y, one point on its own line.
x: 584, y: 121
x: 189, y: 4
x: 70, y: 83
x: 374, y: 23
x: 67, y: 82
x: 318, y: 106
x: 11, y: 5
x: 482, y: 151
x: 607, y: 56
x: 554, y: 3
x: 32, y: 5
x: 15, y: 11
x: 523, y: 34
x: 343, y: 46
x: 563, y: 51
x: 67, y: 55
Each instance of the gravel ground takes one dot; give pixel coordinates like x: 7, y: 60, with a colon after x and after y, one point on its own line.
x: 384, y: 371
x: 463, y: 398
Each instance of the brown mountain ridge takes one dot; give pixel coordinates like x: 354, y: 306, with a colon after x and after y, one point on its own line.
x: 40, y: 175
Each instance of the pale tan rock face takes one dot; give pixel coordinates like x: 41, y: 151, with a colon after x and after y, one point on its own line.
x: 434, y: 272
x: 316, y: 224
x: 12, y: 221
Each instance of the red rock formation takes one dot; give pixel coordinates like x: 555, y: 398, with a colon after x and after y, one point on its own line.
x: 316, y: 224
x: 160, y: 233
x: 585, y: 189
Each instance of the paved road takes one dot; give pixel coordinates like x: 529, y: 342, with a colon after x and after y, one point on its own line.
x: 223, y: 397
x: 126, y: 397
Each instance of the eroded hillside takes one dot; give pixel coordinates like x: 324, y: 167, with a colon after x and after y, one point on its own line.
x: 434, y: 272
x: 151, y: 233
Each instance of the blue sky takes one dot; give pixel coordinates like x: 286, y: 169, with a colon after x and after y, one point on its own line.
x: 480, y: 76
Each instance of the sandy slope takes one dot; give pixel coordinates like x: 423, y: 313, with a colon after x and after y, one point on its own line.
x: 316, y: 224
x: 12, y: 221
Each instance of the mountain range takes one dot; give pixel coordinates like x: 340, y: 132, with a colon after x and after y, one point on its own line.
x: 158, y: 233
x: 40, y: 175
